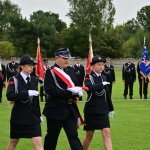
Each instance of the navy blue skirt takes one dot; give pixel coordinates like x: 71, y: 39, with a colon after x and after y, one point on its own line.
x: 96, y: 121
x: 24, y: 131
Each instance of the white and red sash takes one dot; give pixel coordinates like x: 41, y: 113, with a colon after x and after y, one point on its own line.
x: 66, y: 78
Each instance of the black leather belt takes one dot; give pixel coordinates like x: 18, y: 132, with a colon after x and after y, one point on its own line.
x: 68, y: 101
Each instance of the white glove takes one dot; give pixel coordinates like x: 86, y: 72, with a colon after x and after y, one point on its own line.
x: 105, y: 83
x: 80, y: 93
x: 33, y: 93
x: 75, y: 90
x: 42, y: 121
x: 111, y: 114
x: 78, y: 122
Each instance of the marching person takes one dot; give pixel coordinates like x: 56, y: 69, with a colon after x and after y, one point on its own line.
x: 60, y: 109
x: 98, y: 105
x: 109, y: 73
x: 25, y: 115
x: 12, y: 67
x: 79, y: 72
x: 128, y: 77
x: 2, y: 78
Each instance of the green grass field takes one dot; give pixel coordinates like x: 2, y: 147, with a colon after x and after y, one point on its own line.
x: 130, y: 127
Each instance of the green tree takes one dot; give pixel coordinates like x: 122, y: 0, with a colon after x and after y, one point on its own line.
x: 92, y: 17
x: 143, y: 17
x: 6, y: 48
x: 47, y: 27
x: 132, y: 26
x: 8, y: 13
x: 76, y: 40
x: 89, y: 14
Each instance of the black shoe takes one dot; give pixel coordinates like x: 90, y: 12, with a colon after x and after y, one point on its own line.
x: 131, y: 97
x: 145, y: 96
x: 125, y: 97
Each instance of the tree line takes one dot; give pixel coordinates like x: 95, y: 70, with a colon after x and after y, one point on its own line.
x: 19, y: 35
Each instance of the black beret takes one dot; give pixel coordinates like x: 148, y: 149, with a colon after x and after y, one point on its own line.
x: 26, y: 59
x: 77, y: 58
x: 129, y: 57
x: 96, y: 59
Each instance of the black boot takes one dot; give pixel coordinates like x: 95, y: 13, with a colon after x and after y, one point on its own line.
x: 145, y: 96
x: 131, y: 97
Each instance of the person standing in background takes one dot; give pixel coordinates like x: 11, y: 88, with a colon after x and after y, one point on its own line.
x: 2, y: 78
x: 79, y: 72
x: 143, y: 83
x: 109, y: 73
x: 12, y: 67
x: 42, y: 92
x: 128, y: 77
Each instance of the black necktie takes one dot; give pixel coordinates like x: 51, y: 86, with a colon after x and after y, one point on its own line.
x: 28, y: 81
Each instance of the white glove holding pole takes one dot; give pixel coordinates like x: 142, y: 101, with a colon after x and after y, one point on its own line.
x: 105, y: 83
x: 75, y: 90
x: 80, y: 93
x: 33, y: 93
x: 111, y: 114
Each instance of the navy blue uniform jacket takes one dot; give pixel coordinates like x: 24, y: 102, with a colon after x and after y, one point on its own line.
x: 24, y: 111
x: 97, y: 103
x: 57, y: 106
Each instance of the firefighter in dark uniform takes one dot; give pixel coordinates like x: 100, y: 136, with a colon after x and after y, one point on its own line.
x: 109, y: 73
x: 98, y: 105
x: 60, y: 109
x: 79, y: 72
x: 2, y: 78
x: 128, y: 77
x: 12, y: 67
x: 25, y: 115
x: 42, y: 92
x: 142, y: 80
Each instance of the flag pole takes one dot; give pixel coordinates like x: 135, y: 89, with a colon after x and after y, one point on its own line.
x: 90, y: 44
x: 38, y: 42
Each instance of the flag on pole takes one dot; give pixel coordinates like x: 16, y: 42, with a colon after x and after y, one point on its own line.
x: 90, y: 56
x: 145, y: 64
x: 40, y: 69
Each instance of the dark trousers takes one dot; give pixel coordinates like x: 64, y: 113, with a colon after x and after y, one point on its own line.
x: 128, y: 85
x: 42, y: 94
x: 1, y: 90
x: 53, y: 130
x: 110, y: 88
x: 145, y: 87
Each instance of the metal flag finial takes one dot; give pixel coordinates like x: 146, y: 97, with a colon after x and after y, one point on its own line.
x: 38, y: 41
x: 144, y: 41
